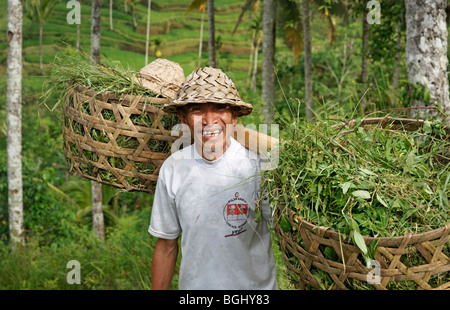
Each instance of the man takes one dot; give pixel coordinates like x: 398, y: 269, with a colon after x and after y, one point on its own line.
x: 207, y: 192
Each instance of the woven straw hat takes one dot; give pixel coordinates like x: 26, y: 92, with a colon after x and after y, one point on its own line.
x: 163, y: 77
x: 208, y: 85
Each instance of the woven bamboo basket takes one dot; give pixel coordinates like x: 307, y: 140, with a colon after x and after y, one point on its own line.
x: 128, y: 154
x: 303, y: 249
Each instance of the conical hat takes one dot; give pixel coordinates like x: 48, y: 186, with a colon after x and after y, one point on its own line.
x: 208, y: 85
x: 163, y: 77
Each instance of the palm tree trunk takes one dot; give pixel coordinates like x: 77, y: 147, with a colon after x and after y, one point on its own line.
x: 148, y: 31
x: 14, y: 122
x: 97, y: 211
x: 95, y: 31
x: 252, y: 48
x: 426, y: 52
x: 78, y: 37
x: 133, y: 13
x: 96, y: 188
x: 397, y: 59
x: 268, y: 67
x: 41, y: 31
x: 211, y: 34
x: 111, y: 27
x: 307, y: 59
x: 364, y: 61
x: 200, y: 44
x: 255, y: 64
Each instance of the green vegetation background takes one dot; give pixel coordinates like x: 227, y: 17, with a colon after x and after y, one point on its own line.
x: 57, y: 205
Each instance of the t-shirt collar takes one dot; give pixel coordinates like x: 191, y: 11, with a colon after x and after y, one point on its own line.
x: 206, y: 162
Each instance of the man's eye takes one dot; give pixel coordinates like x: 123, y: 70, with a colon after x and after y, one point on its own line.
x: 222, y: 107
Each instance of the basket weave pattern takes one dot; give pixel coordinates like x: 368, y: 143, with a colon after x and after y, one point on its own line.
x: 106, y: 160
x: 303, y: 250
x: 411, y: 257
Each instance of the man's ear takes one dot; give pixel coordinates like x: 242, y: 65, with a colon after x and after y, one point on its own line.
x: 235, y: 116
x: 182, y: 117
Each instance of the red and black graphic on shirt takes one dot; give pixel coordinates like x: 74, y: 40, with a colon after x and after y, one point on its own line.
x: 235, y: 214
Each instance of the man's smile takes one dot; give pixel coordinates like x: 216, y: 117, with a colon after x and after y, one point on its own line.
x: 212, y: 133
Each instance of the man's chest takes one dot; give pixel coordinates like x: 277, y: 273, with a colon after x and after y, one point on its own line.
x: 219, y: 203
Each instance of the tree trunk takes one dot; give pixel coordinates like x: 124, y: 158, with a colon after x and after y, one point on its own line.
x: 111, y: 27
x: 252, y: 49
x: 41, y: 31
x: 426, y: 53
x: 78, y: 38
x: 307, y: 56
x: 200, y: 44
x: 96, y: 188
x: 268, y: 66
x: 255, y: 65
x: 211, y: 34
x: 97, y: 211
x: 14, y: 121
x: 397, y: 59
x: 148, y: 31
x: 134, y: 15
x: 95, y: 31
x: 364, y: 61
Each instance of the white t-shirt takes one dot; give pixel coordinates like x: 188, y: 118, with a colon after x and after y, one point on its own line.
x: 212, y: 205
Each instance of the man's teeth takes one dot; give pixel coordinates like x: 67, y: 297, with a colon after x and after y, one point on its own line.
x: 212, y: 133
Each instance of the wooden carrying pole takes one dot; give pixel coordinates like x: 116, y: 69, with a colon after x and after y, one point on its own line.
x: 255, y: 141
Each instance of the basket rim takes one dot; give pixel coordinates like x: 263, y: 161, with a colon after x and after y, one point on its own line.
x: 383, y: 241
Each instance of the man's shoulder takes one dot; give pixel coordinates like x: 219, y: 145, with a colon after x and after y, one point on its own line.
x: 185, y: 153
x: 243, y: 153
x: 179, y: 159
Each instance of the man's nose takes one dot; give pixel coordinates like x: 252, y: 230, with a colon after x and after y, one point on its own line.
x: 209, y: 117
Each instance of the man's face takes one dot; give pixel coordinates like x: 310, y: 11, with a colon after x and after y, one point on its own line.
x: 211, y: 125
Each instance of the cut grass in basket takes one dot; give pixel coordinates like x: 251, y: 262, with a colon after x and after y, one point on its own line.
x: 117, y: 123
x: 79, y: 69
x: 375, y: 180
x: 362, y: 180
x: 390, y: 182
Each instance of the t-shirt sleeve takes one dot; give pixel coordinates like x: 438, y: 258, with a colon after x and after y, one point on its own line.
x: 164, y: 221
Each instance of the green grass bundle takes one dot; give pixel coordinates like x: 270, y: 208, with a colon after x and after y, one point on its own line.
x: 375, y: 181
x: 70, y: 71
x: 388, y: 182
x: 364, y: 180
x: 79, y: 69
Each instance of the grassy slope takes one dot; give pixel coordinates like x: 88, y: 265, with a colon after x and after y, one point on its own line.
x: 178, y: 30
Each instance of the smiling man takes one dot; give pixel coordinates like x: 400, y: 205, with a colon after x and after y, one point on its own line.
x: 211, y: 125
x: 208, y: 194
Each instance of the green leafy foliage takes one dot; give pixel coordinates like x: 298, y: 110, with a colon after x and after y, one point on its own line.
x: 364, y: 181
x: 122, y: 262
